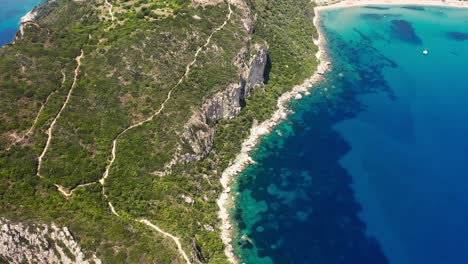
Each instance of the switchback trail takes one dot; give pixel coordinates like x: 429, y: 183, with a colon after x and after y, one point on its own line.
x: 176, y: 240
x: 114, y: 142
x: 52, y: 125
x: 31, y: 129
x: 105, y: 175
x: 29, y: 23
x: 187, y: 71
x: 66, y: 193
x: 110, y: 10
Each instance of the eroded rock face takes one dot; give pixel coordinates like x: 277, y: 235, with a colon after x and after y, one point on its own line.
x: 228, y: 103
x: 225, y: 104
x: 200, y: 131
x: 256, y: 70
x: 40, y: 243
x: 196, y: 140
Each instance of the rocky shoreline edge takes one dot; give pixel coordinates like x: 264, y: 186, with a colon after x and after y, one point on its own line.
x: 242, y: 160
x: 29, y: 17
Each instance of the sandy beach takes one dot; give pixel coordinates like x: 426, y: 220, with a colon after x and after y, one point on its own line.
x: 226, y: 199
x: 351, y: 3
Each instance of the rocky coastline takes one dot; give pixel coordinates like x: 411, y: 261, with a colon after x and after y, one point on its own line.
x: 243, y: 159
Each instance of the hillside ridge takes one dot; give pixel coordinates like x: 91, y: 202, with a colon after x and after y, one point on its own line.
x: 118, y: 117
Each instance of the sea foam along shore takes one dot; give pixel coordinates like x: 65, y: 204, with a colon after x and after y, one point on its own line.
x: 226, y: 199
x: 29, y: 17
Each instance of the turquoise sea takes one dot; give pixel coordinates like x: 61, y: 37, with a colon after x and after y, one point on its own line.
x: 11, y: 12
x: 373, y: 166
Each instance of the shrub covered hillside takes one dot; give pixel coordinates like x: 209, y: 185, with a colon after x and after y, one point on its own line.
x: 118, y: 117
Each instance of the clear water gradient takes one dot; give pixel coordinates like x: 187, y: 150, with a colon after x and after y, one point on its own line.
x: 373, y: 166
x: 11, y: 12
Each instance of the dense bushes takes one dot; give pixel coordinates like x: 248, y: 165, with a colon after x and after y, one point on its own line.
x: 126, y: 74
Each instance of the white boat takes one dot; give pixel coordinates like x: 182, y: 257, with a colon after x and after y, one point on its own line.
x: 425, y: 52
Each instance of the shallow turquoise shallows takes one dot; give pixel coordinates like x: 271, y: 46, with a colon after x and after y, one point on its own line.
x: 11, y: 12
x: 373, y: 166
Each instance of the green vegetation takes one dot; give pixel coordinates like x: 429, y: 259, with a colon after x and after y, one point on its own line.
x: 148, y: 9
x: 128, y: 68
x: 288, y: 28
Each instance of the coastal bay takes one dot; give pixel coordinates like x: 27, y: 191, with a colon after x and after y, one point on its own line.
x: 355, y: 171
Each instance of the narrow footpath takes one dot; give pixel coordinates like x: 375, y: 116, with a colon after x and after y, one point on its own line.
x: 52, y: 125
x: 31, y: 129
x: 105, y: 175
x: 110, y: 10
x: 187, y: 71
x: 176, y: 239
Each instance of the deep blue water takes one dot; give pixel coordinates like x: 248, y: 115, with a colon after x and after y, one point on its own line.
x: 11, y: 12
x: 373, y: 165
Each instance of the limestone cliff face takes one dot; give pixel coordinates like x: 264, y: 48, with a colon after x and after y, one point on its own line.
x: 197, y: 139
x: 256, y: 71
x: 39, y: 243
x: 227, y: 104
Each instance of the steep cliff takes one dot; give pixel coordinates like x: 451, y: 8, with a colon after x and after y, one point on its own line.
x: 200, y: 130
x: 255, y: 72
x: 227, y: 104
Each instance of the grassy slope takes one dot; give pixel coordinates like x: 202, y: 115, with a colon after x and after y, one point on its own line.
x: 125, y: 76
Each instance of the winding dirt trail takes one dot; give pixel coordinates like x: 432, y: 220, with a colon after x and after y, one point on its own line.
x: 176, y: 239
x: 68, y: 193
x: 23, y: 24
x: 110, y: 9
x: 187, y: 71
x: 105, y: 175
x: 52, y: 125
x: 31, y: 129
x: 158, y: 112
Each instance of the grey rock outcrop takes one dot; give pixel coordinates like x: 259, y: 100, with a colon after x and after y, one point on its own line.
x: 225, y: 104
x: 256, y: 71
x: 197, y: 138
x: 199, y: 132
x: 228, y: 103
x: 40, y: 243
